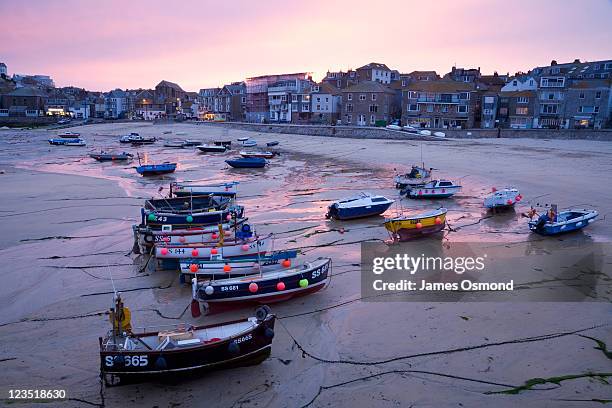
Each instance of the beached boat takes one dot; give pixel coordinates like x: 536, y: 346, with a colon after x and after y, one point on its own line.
x: 226, y: 143
x: 181, y: 133
x: 359, y: 206
x: 158, y: 219
x: 69, y: 135
x: 405, y: 228
x: 183, y: 236
x: 503, y: 198
x: 174, y: 143
x: 247, y: 163
x: 67, y: 142
x: 425, y: 132
x: 186, y: 189
x: 569, y: 220
x: 191, y: 143
x: 439, y: 134
x: 244, y: 248
x: 127, y: 356
x: 411, y: 130
x: 242, y: 139
x: 417, y: 176
x: 255, y: 153
x: 211, y: 148
x: 187, y: 204
x: 140, y: 140
x: 394, y: 127
x: 433, y: 189
x: 108, y: 156
x: 273, y: 143
x: 156, y: 169
x: 221, y: 268
x: 266, y: 287
x: 249, y: 143
x: 128, y: 138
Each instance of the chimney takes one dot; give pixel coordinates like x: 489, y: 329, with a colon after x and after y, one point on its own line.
x: 577, y: 61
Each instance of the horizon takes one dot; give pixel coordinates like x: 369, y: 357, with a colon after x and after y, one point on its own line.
x: 94, y: 49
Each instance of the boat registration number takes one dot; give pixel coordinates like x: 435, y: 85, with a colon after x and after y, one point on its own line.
x: 130, y: 361
x: 244, y: 338
x: 229, y: 288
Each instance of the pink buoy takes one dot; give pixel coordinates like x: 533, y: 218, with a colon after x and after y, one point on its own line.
x: 245, y: 247
x: 214, y: 251
x: 518, y: 198
x: 438, y: 220
x: 420, y: 192
x: 253, y: 287
x: 195, y: 252
x: 164, y: 251
x: 419, y: 225
x: 229, y: 217
x: 280, y: 286
x: 182, y: 240
x: 509, y: 202
x: 214, y: 236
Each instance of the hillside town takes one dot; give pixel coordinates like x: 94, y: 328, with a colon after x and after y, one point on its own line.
x: 571, y: 95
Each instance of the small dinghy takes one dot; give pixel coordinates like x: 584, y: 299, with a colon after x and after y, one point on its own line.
x: 359, y: 206
x: 107, y: 156
x: 247, y: 163
x: 127, y: 356
x: 243, y: 139
x: 222, y: 189
x: 411, y: 130
x: 69, y: 135
x: 569, y: 220
x: 249, y: 143
x: 174, y: 143
x: 425, y: 132
x: 405, y: 228
x: 211, y: 148
x: 433, y: 189
x: 504, y: 198
x: 417, y: 176
x: 439, y: 135
x: 67, y: 142
x: 220, y: 268
x: 255, y: 153
x: 271, y: 144
x: 265, y: 287
x: 156, y: 169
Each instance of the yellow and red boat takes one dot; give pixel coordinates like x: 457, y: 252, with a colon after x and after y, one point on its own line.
x: 405, y: 228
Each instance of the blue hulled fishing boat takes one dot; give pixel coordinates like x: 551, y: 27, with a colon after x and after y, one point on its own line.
x: 569, y: 220
x: 247, y: 163
x: 156, y: 169
x: 362, y: 205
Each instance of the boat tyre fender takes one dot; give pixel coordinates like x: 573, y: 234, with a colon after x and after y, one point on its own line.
x: 148, y: 238
x: 233, y: 347
x: 262, y: 312
x: 269, y: 332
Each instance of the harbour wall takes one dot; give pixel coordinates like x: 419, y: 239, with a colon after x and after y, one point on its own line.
x: 363, y: 132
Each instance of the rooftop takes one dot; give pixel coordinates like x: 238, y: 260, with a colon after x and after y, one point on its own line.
x: 170, y: 85
x: 368, y: 86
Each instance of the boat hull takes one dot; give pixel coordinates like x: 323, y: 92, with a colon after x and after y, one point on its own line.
x: 438, y: 192
x: 238, y: 249
x: 223, y: 189
x: 156, y: 169
x: 247, y: 265
x: 351, y: 213
x: 409, y: 228
x: 565, y: 226
x: 156, y: 219
x: 250, y: 163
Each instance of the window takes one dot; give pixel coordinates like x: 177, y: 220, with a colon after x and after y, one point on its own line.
x: 306, y: 98
x: 373, y: 96
x: 462, y: 109
x: 608, y: 65
x: 413, y: 95
x: 316, y: 88
x: 515, y: 83
x: 485, y: 111
x: 596, y: 110
x: 318, y: 99
x: 326, y: 99
x: 283, y: 97
x: 243, y: 99
x: 294, y: 107
x: 362, y: 97
x: 549, y: 82
x: 373, y: 108
x: 403, y: 82
x: 339, y: 83
x: 372, y: 119
x: 349, y: 97
x: 522, y: 99
x: 586, y: 109
x: 445, y: 108
x: 430, y: 108
x: 489, y: 99
x: 522, y: 111
x: 349, y: 118
x: 598, y: 95
x: 413, y: 107
x: 349, y: 107
x: 318, y: 107
x: 581, y: 95
x: 549, y: 108
x: 305, y: 107
x: 464, y: 95
x: 293, y: 98
x: 555, y: 70
x: 531, y: 82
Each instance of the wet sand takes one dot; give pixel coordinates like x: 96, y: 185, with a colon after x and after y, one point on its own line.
x: 66, y: 222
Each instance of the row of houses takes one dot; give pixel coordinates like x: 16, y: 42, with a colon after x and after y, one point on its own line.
x: 568, y: 95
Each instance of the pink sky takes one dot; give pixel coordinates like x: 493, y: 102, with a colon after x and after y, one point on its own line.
x: 198, y: 44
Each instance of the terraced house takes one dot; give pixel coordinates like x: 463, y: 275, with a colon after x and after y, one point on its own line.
x: 368, y: 103
x: 438, y: 104
x: 588, y: 103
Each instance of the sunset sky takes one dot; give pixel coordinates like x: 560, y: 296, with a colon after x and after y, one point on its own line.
x: 201, y: 43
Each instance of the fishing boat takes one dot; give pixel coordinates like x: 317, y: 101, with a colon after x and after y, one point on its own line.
x: 503, y: 198
x: 191, y: 143
x: 247, y: 163
x: 187, y: 204
x: 411, y: 130
x: 405, y: 228
x: 255, y: 153
x: 128, y: 356
x: 359, y: 206
x: 418, y: 175
x: 265, y: 287
x: 108, y: 156
x: 57, y: 141
x: 212, y: 216
x: 439, y: 135
x: 69, y: 135
x: 221, y: 268
x: 433, y: 189
x: 174, y: 143
x: 75, y: 142
x: 243, y: 139
x: 394, y: 127
x: 186, y: 189
x: 140, y: 140
x: 128, y: 138
x: 271, y: 144
x: 226, y: 143
x: 249, y: 143
x: 211, y: 148
x: 193, y: 235
x: 568, y: 220
x: 156, y: 169
x: 242, y: 248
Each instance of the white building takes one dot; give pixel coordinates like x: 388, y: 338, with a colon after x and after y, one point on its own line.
x: 80, y: 111
x: 520, y: 83
x: 378, y: 72
x: 326, y: 103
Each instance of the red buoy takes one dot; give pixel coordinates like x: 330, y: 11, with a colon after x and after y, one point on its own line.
x: 226, y: 268
x: 195, y: 252
x: 438, y: 220
x: 245, y: 247
x: 164, y: 251
x: 280, y: 286
x: 193, y: 268
x: 253, y: 287
x: 214, y: 251
x: 214, y: 236
x: 286, y: 263
x: 509, y: 202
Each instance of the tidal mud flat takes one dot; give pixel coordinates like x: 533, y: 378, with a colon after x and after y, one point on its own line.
x: 67, y: 225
